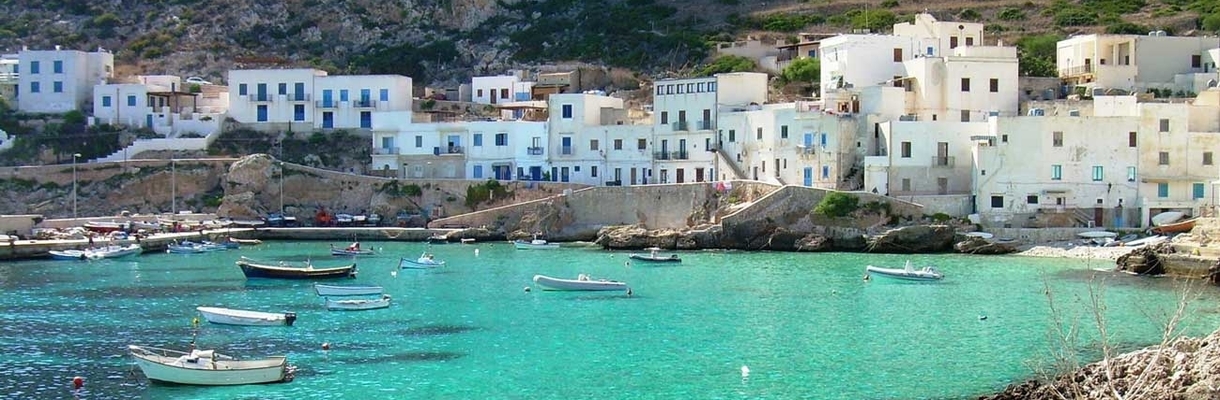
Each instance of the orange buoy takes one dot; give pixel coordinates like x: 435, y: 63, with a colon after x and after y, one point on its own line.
x: 78, y: 382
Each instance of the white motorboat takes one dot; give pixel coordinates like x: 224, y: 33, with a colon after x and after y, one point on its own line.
x: 980, y: 235
x: 335, y: 290
x: 654, y: 255
x: 1097, y: 235
x: 206, y: 367
x: 425, y: 261
x: 908, y: 272
x: 68, y: 254
x: 351, y: 250
x: 581, y: 283
x: 1167, y: 218
x: 536, y: 244
x: 114, y: 251
x: 228, y: 316
x: 358, y: 304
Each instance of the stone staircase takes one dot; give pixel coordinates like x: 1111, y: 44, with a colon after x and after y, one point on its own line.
x: 728, y: 160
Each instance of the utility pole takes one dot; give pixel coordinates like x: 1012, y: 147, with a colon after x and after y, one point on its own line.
x: 74, y: 157
x: 173, y: 183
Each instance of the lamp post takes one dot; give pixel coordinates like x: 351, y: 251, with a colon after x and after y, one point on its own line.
x: 281, y: 188
x: 74, y: 157
x: 173, y: 187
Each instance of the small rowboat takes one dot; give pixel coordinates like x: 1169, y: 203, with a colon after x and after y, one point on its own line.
x: 228, y: 316
x: 536, y: 244
x: 206, y: 367
x: 581, y: 283
x: 284, y: 271
x: 655, y: 256
x: 425, y: 261
x: 358, y: 305
x: 1177, y: 227
x: 352, y: 250
x: 333, y: 290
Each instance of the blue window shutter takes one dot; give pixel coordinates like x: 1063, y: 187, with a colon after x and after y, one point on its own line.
x: 241, y: 89
x: 385, y: 95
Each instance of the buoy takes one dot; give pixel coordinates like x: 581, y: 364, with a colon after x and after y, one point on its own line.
x: 628, y: 292
x: 394, y: 274
x: 982, y: 318
x: 527, y: 289
x: 745, y: 371
x: 78, y: 382
x: 326, y: 346
x: 476, y: 252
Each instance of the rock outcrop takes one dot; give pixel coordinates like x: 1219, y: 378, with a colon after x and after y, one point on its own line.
x: 1184, y: 368
x: 1145, y: 260
x: 761, y: 236
x: 977, y: 245
x: 914, y: 239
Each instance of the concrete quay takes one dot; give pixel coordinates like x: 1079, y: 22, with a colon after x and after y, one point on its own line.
x: 35, y: 249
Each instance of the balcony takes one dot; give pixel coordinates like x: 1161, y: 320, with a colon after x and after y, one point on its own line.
x: 364, y: 103
x: 385, y: 150
x: 1076, y: 71
x: 298, y: 97
x: 454, y: 150
x: 566, y: 150
x: 806, y: 149
x: 670, y: 155
x: 703, y: 125
x: 942, y: 162
x: 327, y: 104
x: 534, y: 151
x: 259, y: 98
x: 681, y: 126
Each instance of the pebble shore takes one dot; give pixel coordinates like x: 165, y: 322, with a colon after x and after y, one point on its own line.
x: 1072, y: 250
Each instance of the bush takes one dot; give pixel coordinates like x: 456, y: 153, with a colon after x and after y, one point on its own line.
x: 1125, y: 28
x: 727, y: 64
x: 969, y: 15
x: 485, y: 191
x: 1075, y: 17
x: 1211, y: 22
x: 1011, y: 14
x: 802, y: 70
x: 837, y: 204
x: 889, y: 3
x: 874, y: 20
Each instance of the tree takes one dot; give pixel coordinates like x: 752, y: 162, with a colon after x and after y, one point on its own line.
x: 1037, y: 54
x: 727, y: 64
x: 806, y: 70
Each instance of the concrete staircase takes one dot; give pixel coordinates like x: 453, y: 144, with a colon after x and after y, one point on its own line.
x: 728, y: 160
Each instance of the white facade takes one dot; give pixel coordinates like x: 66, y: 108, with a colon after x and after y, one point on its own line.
x: 575, y: 150
x: 937, y: 38
x: 1178, y: 146
x: 967, y: 85
x: 314, y: 100
x: 685, y: 115
x: 455, y: 150
x: 58, y: 81
x: 494, y: 89
x: 864, y: 60
x: 159, y: 103
x: 923, y: 158
x: 121, y: 104
x: 1136, y: 62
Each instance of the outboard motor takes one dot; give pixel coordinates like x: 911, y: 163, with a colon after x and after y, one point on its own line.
x: 289, y: 318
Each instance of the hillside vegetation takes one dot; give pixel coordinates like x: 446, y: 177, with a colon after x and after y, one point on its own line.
x: 450, y: 40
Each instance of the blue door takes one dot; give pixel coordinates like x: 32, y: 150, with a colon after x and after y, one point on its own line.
x: 366, y: 120
x: 328, y: 120
x: 808, y: 173
x: 149, y: 121
x: 262, y: 113
x: 478, y: 171
x: 535, y: 173
x: 808, y: 140
x: 563, y: 174
x: 328, y: 98
x: 261, y: 92
x: 823, y: 139
x: 298, y: 91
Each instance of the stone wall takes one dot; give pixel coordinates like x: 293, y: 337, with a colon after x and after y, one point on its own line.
x: 792, y: 206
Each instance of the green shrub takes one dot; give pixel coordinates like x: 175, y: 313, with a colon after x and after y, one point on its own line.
x: 941, y: 217
x: 969, y: 15
x: 485, y: 191
x: 1075, y: 17
x: 1211, y: 23
x: 1125, y: 28
x: 802, y: 70
x: 889, y: 4
x: 837, y: 204
x: 727, y: 64
x: 874, y: 20
x: 1011, y: 14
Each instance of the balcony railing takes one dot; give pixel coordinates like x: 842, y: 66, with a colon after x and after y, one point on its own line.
x: 364, y: 103
x: 566, y: 150
x: 670, y: 155
x: 385, y: 150
x: 807, y: 149
x: 1076, y: 71
x: 942, y: 161
x: 302, y: 97
x: 455, y: 150
x: 534, y: 151
x: 260, y: 98
x: 703, y: 125
x: 680, y: 126
x: 327, y: 104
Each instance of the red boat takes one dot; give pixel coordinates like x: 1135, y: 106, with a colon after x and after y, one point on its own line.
x: 1177, y: 227
x: 103, y: 227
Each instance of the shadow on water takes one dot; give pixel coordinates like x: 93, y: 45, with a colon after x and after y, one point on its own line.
x: 118, y: 293
x: 436, y: 330
x: 411, y: 356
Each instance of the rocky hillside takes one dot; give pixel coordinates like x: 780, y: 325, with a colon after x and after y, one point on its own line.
x: 450, y: 40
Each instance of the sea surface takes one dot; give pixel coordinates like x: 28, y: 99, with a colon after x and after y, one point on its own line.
x: 804, y: 325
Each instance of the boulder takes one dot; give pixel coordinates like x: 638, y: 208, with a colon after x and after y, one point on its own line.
x: 636, y: 237
x: 1144, y: 260
x: 704, y: 237
x: 812, y: 242
x: 914, y: 239
x: 977, y: 245
x: 238, y: 206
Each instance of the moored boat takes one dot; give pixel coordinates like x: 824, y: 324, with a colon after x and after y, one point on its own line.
x: 907, y: 273
x: 286, y: 271
x: 335, y: 290
x: 206, y: 367
x: 228, y: 316
x: 114, y: 251
x: 1167, y: 218
x: 655, y: 256
x: 438, y: 239
x: 581, y: 283
x: 246, y: 242
x: 358, y: 304
x: 536, y: 244
x: 1176, y: 227
x: 351, y: 250
x: 103, y: 227
x: 68, y: 254
x: 425, y: 261
x: 185, y: 248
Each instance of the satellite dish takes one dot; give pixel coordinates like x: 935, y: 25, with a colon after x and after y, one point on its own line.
x: 1211, y: 83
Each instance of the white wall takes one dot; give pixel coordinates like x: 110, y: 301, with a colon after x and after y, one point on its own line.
x: 245, y: 98
x: 862, y: 60
x: 493, y: 89
x: 940, y: 36
x: 348, y: 114
x: 80, y: 72
x: 120, y: 111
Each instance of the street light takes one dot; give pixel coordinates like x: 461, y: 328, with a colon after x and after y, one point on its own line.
x: 173, y: 190
x: 74, y: 156
x: 281, y: 188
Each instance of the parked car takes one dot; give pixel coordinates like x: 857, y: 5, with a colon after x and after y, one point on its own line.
x: 374, y: 219
x: 197, y: 81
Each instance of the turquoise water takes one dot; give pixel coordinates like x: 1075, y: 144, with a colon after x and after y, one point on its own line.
x: 805, y: 324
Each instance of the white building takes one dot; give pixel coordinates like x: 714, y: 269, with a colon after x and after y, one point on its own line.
x: 686, y: 136
x: 310, y: 98
x: 576, y: 150
x: 1136, y: 63
x: 967, y: 84
x: 58, y: 81
x: 159, y: 102
x: 936, y: 38
x: 495, y: 89
x: 10, y: 64
x: 1178, y: 145
x: 856, y: 61
x: 500, y: 150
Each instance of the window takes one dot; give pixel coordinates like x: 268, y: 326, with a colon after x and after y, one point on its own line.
x: 664, y: 117
x: 478, y: 93
x: 669, y: 89
x: 1004, y: 138
x: 660, y: 89
x: 1207, y: 158
x: 965, y: 115
x: 1056, y: 172
x: 1196, y: 61
x: 35, y: 87
x: 1164, y: 125
x: 283, y: 88
x: 699, y: 87
x: 419, y: 141
x: 680, y: 91
x: 34, y: 67
x: 897, y: 55
x: 930, y: 50
x: 343, y: 95
x: 298, y: 112
x: 965, y: 84
x: 241, y: 89
x: 1162, y: 189
x: 994, y: 85
x: 593, y: 145
x: 825, y: 172
x: 1163, y: 158
x: 1097, y: 173
x: 1130, y: 174
x: 906, y: 149
x: 1057, y: 139
x: 57, y: 66
x: 783, y: 131
x: 1196, y: 191
x: 504, y: 93
x: 501, y: 139
x: 478, y: 171
x: 105, y: 101
x: 690, y: 88
x: 1031, y: 199
x: 758, y: 134
x: 593, y: 171
x: 478, y: 140
x: 567, y: 111
x: 997, y: 201
x: 953, y: 42
x: 618, y: 144
x: 711, y: 86
x: 131, y: 101
x: 906, y: 184
x: 641, y: 144
x: 970, y: 41
x: 57, y: 87
x: 732, y: 135
x: 383, y: 94
x: 1130, y: 139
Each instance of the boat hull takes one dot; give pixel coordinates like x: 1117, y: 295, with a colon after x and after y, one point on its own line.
x: 535, y: 246
x: 357, y: 305
x: 557, y: 284
x: 331, y: 290
x: 213, y: 373
x: 225, y: 316
x: 902, y: 274
x: 1179, y: 227
x: 647, y: 258
x: 252, y: 270
x: 406, y: 263
x: 343, y: 252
